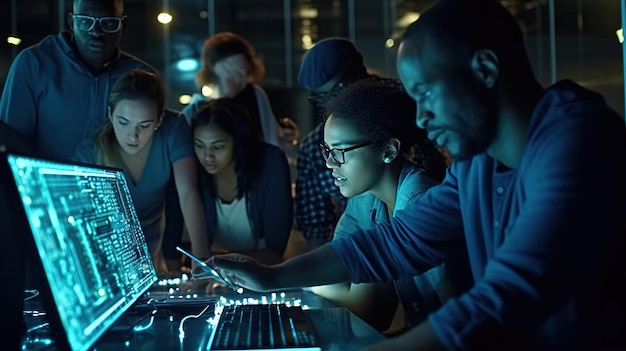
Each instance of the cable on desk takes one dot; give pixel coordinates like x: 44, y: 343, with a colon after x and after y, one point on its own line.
x: 34, y: 293
x: 181, y: 332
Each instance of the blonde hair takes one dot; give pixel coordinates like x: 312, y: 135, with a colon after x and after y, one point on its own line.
x: 223, y: 45
x: 134, y: 85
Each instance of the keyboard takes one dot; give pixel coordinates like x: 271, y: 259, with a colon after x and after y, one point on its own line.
x: 263, y: 326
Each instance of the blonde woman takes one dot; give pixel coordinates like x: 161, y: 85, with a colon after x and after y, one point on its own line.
x: 151, y: 145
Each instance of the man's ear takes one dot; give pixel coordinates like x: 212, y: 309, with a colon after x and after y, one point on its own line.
x: 486, y: 67
x: 392, y: 150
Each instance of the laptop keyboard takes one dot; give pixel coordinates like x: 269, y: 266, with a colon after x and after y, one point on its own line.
x: 263, y: 326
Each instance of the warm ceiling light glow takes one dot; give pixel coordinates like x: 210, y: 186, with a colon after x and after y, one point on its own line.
x: 207, y: 90
x: 389, y: 43
x: 164, y: 18
x: 184, y: 99
x: 620, y: 35
x: 407, y: 19
x: 14, y: 41
x: 307, y: 42
x: 310, y: 12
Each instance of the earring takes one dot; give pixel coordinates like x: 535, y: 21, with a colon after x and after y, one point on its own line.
x: 155, y: 128
x: 387, y: 160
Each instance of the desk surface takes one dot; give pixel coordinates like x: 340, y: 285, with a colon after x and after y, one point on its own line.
x: 337, y: 328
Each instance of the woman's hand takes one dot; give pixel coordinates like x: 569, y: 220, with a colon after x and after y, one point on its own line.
x: 244, y: 271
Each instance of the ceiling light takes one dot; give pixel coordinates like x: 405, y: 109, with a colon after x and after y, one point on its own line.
x: 184, y: 99
x: 164, y: 18
x: 14, y: 41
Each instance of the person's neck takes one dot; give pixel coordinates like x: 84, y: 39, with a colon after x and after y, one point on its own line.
x: 226, y: 179
x: 387, y: 187
x: 514, y: 116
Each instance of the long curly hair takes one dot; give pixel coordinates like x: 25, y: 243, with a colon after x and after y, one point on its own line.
x: 380, y: 112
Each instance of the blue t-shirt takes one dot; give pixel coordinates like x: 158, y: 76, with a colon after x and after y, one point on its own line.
x: 52, y: 98
x: 171, y: 142
x: 545, y: 240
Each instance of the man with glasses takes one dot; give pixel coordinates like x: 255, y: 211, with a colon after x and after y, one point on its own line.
x: 328, y: 67
x: 56, y: 91
x: 535, y: 195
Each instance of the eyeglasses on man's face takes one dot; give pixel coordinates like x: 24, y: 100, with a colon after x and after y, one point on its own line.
x: 338, y: 154
x: 323, y: 98
x: 107, y: 24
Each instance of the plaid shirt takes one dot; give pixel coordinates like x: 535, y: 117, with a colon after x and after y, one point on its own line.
x: 319, y: 203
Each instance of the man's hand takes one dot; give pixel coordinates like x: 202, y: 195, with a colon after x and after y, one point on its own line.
x: 244, y: 271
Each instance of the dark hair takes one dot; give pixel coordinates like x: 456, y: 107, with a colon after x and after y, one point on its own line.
x: 223, y: 45
x: 381, y: 112
x: 135, y: 85
x: 234, y: 121
x: 461, y: 27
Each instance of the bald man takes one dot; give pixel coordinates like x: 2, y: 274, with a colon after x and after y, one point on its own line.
x: 535, y: 195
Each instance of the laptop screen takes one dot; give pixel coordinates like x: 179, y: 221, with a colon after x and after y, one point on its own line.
x: 89, y: 240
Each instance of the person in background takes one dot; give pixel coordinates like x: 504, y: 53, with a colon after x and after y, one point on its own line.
x: 329, y: 66
x: 151, y: 144
x: 245, y: 185
x: 65, y: 79
x: 368, y: 140
x: 535, y: 195
x: 232, y: 68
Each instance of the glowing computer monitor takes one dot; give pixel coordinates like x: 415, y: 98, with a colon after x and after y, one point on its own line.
x: 88, y: 243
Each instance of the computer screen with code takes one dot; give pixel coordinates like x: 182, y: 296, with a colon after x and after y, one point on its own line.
x: 89, y: 241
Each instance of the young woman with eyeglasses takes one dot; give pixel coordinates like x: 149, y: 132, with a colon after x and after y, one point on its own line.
x: 369, y: 137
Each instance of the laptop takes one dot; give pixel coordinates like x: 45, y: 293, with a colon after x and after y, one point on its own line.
x: 85, y: 242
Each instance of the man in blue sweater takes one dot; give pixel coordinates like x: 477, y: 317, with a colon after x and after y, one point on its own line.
x: 535, y: 196
x: 56, y: 91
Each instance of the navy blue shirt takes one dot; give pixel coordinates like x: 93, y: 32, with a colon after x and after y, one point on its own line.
x: 54, y: 99
x: 545, y: 240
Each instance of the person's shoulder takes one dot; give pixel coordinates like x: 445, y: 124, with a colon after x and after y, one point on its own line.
x: 50, y: 45
x: 256, y: 87
x: 571, y: 98
x: 271, y: 151
x: 390, y: 82
x: 173, y: 118
x: 314, y: 136
x: 132, y: 61
x: 170, y: 113
x: 417, y: 176
x: 567, y: 103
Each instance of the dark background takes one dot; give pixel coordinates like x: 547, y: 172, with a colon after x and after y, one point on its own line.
x: 586, y: 47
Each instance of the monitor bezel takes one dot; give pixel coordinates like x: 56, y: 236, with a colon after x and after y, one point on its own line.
x: 35, y: 264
